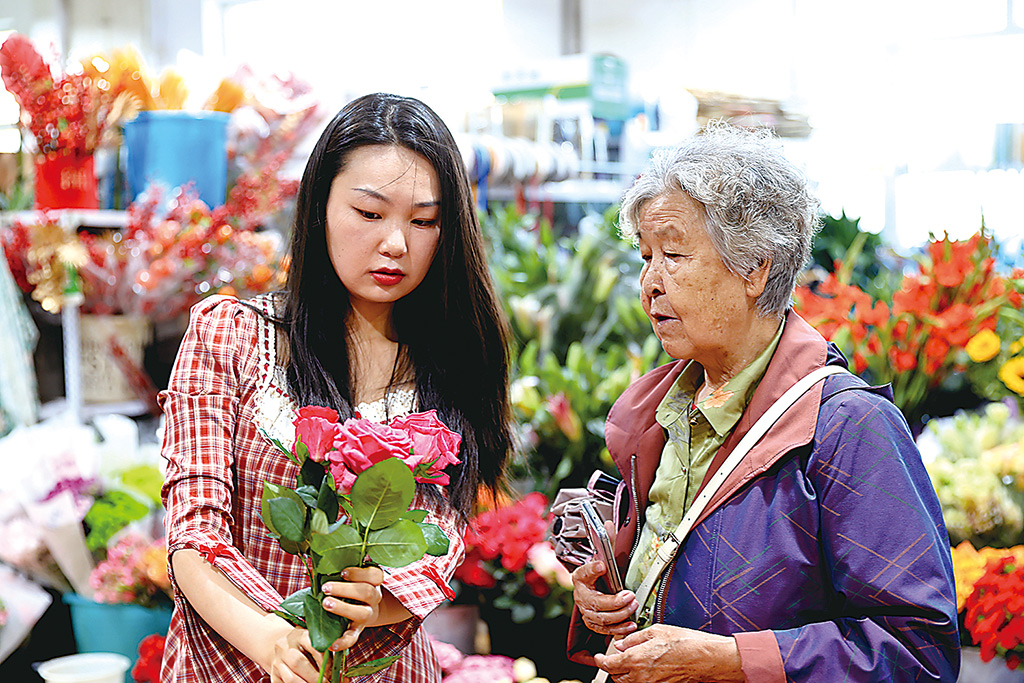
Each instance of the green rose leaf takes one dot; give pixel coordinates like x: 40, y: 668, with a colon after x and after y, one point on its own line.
x: 327, y: 499
x: 318, y: 523
x: 288, y: 517
x: 339, y: 548
x: 272, y: 492
x: 307, y: 494
x: 382, y: 493
x: 311, y: 473
x: 346, y: 506
x: 397, y: 545
x: 324, y: 627
x: 415, y: 515
x: 301, y: 451
x: 372, y: 666
x: 437, y: 540
x: 279, y: 445
x: 294, y: 604
x: 291, y: 547
x: 290, y: 618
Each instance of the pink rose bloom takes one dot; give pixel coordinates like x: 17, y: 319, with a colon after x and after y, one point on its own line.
x: 317, y: 428
x: 434, y: 445
x: 361, y: 443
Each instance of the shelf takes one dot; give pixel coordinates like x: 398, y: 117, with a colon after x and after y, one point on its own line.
x: 71, y: 219
x: 566, y: 191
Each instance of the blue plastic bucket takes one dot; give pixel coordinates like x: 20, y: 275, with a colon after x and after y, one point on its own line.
x: 173, y: 148
x: 118, y: 628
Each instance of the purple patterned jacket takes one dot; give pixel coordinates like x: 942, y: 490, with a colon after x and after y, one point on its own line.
x: 824, y: 553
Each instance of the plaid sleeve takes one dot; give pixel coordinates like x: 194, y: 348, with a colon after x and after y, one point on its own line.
x: 423, y: 585
x: 201, y: 411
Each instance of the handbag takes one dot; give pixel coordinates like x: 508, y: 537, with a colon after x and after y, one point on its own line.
x: 566, y: 530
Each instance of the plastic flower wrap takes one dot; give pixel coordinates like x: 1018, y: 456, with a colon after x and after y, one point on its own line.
x: 917, y: 340
x: 513, y: 566
x: 351, y: 507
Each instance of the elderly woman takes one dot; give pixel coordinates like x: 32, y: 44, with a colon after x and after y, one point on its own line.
x: 823, y: 555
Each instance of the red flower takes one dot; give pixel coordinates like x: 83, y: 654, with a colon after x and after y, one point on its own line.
x: 537, y: 584
x: 317, y: 428
x: 151, y: 653
x: 994, y: 613
x: 902, y: 361
x: 435, y: 447
x: 361, y: 443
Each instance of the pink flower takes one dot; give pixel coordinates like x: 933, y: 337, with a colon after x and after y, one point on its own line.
x: 435, y: 447
x: 361, y: 443
x: 317, y: 428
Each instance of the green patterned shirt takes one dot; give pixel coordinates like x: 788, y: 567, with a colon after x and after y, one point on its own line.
x: 693, y: 434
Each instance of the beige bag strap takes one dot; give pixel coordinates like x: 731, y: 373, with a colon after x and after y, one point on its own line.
x: 669, y: 548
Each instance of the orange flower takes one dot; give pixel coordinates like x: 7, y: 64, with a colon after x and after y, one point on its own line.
x: 956, y: 324
x: 902, y: 361
x: 936, y: 350
x: 860, y: 363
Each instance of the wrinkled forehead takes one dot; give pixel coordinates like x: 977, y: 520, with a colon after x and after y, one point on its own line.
x: 670, y: 213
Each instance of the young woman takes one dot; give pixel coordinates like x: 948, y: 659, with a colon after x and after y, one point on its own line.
x: 389, y: 309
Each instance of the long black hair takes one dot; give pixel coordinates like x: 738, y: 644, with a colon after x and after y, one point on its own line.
x: 452, y: 325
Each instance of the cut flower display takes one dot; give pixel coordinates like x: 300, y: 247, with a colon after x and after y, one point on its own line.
x: 351, y: 508
x: 919, y: 338
x: 163, y: 261
x: 512, y: 564
x: 995, y: 610
x: 134, y: 571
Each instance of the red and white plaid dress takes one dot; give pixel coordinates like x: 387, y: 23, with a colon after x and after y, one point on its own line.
x: 225, y: 383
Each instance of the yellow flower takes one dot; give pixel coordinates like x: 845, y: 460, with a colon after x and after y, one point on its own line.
x: 1012, y: 375
x: 983, y: 346
x: 1017, y: 345
x: 969, y: 566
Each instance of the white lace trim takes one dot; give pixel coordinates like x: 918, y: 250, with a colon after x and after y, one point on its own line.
x: 395, y: 404
x: 275, y: 409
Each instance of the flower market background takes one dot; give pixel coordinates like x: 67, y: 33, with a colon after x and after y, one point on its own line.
x: 907, y: 128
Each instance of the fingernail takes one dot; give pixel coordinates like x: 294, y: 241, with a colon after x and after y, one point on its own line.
x: 328, y: 603
x: 327, y: 589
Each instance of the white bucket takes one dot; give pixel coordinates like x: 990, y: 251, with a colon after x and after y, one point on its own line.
x: 93, y: 667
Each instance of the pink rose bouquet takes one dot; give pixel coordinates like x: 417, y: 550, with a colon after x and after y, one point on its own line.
x: 351, y: 507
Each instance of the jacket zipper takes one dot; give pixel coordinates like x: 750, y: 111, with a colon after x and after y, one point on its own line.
x: 636, y: 504
x: 659, y: 600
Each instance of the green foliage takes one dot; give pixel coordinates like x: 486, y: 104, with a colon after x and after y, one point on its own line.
x: 110, y: 513
x: 843, y: 246
x: 580, y: 337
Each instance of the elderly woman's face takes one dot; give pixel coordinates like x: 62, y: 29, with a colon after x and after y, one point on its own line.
x: 696, y: 305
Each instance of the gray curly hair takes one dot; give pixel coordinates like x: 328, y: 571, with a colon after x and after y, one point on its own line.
x: 758, y: 205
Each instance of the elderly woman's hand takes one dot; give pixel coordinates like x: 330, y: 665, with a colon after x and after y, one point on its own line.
x: 671, y: 653
x: 601, y: 612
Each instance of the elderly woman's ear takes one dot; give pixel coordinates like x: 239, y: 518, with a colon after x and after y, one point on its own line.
x: 757, y: 279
